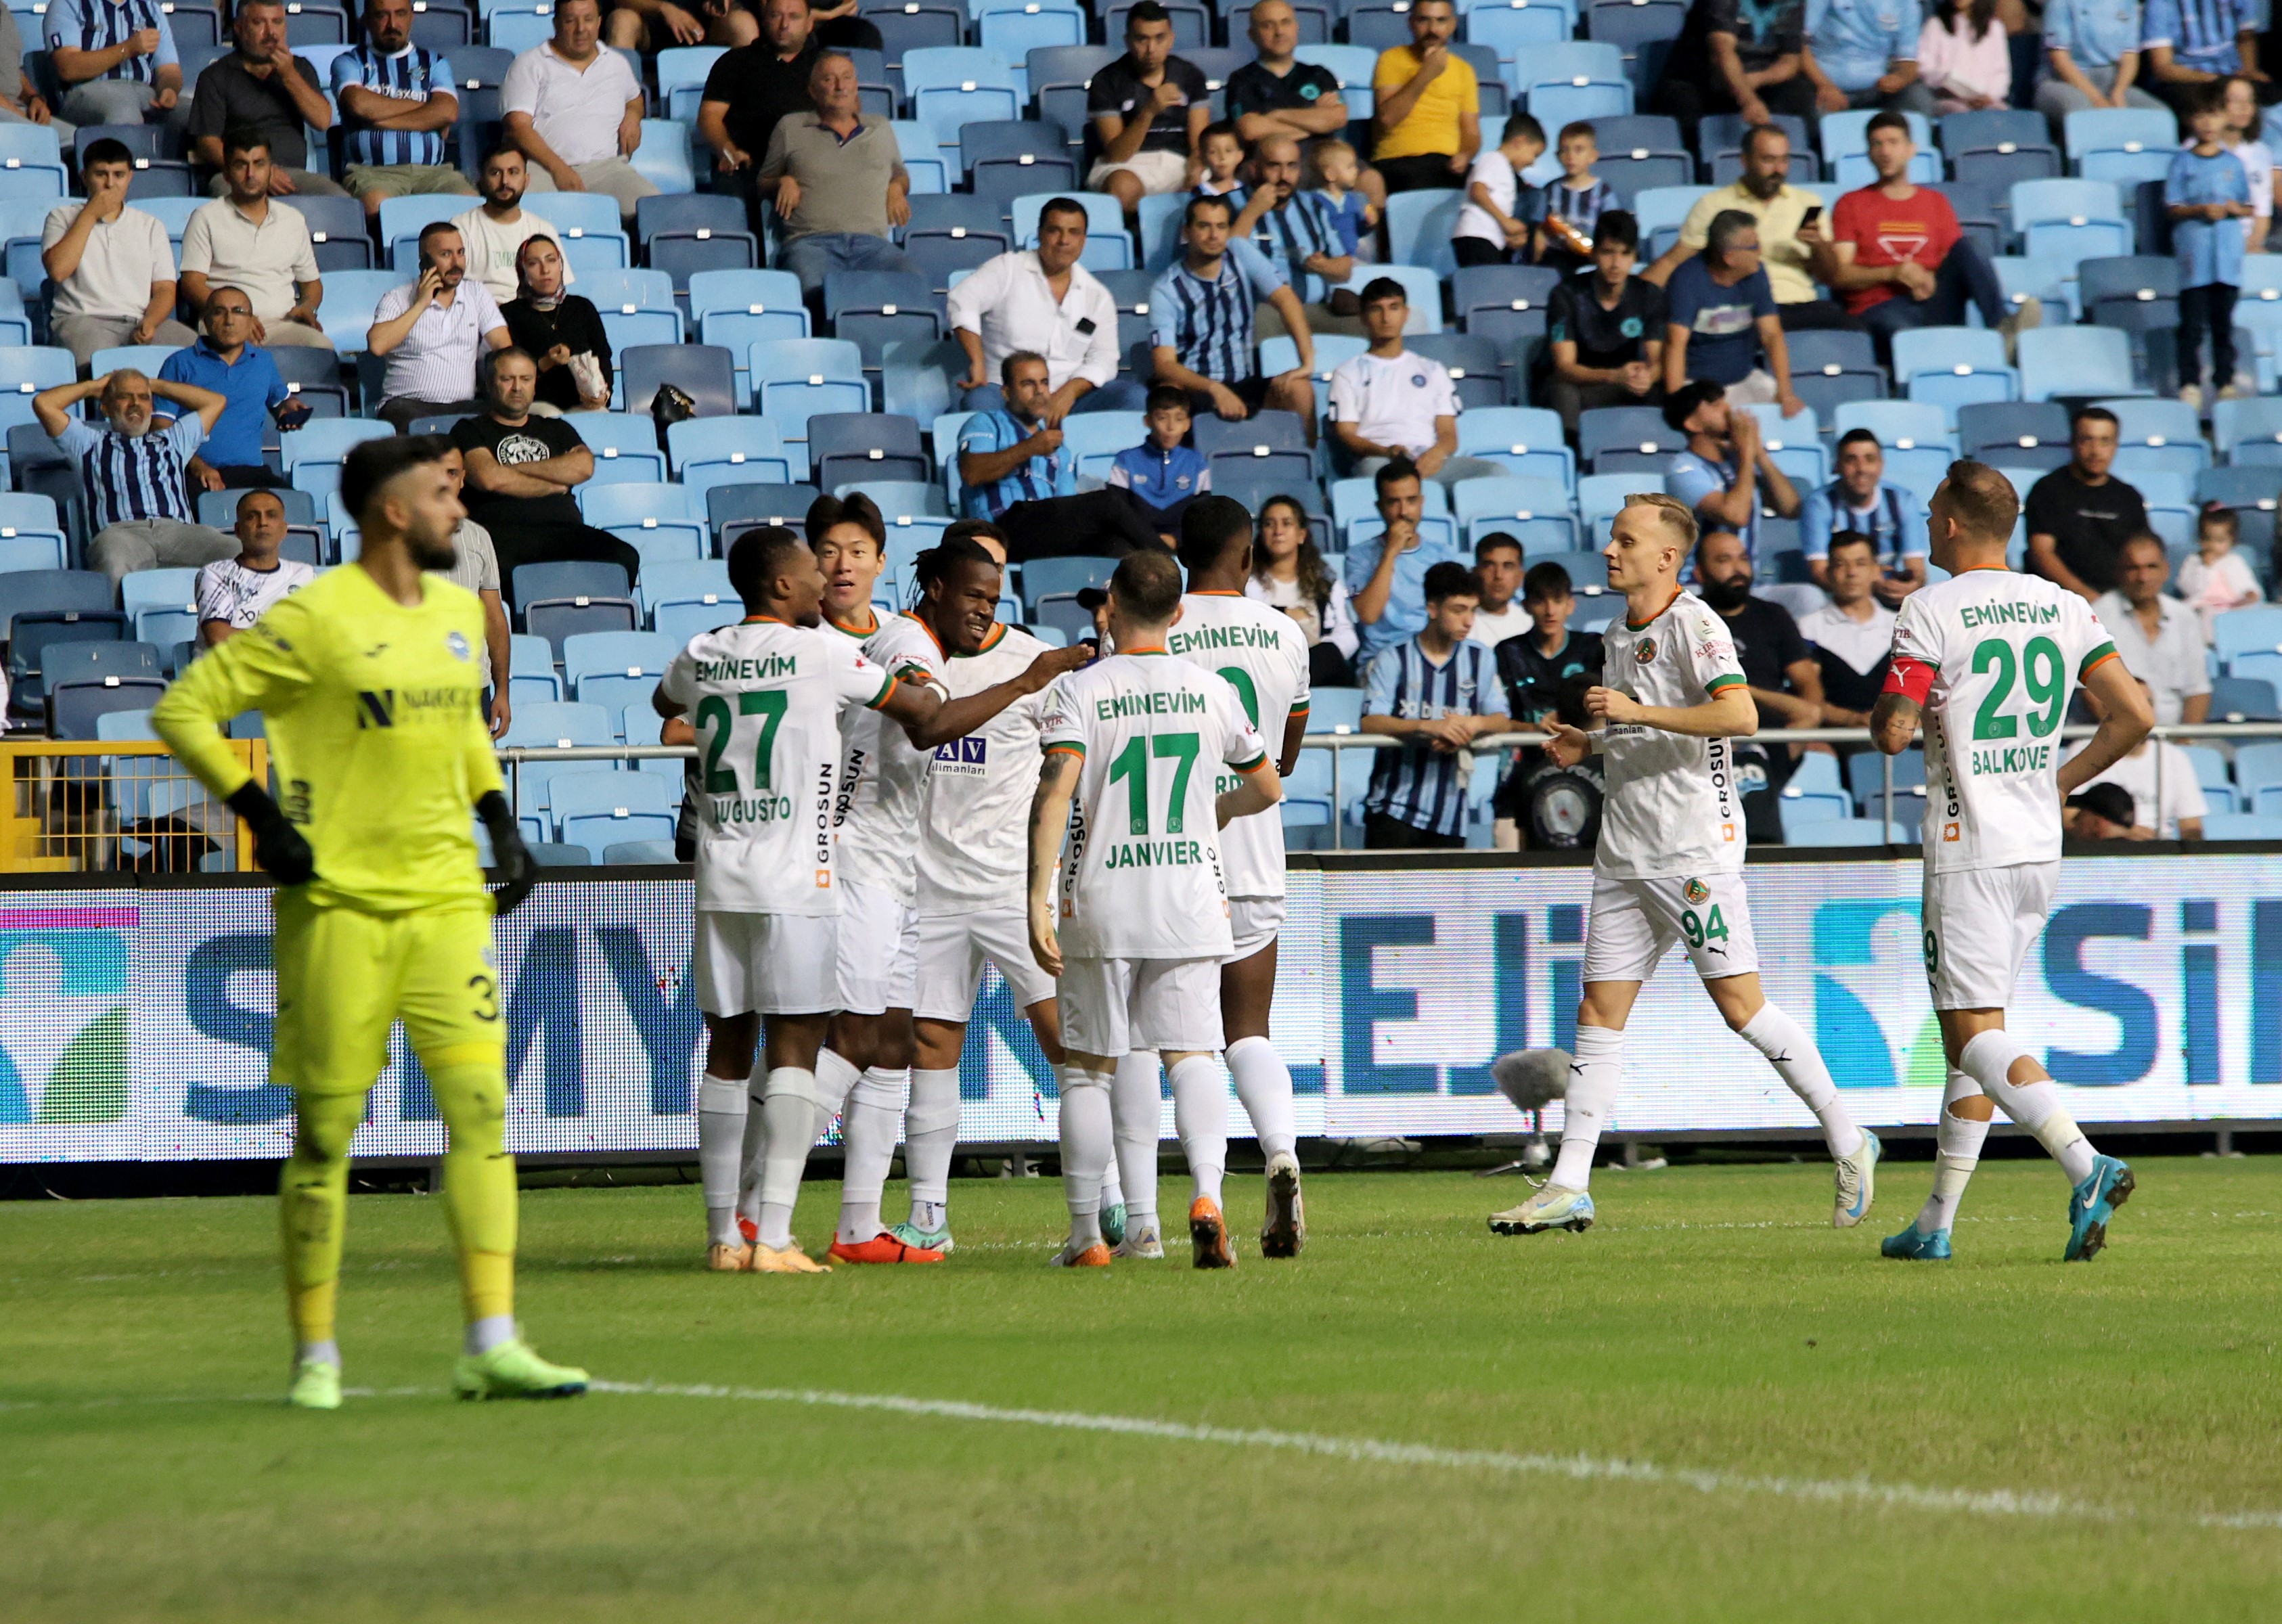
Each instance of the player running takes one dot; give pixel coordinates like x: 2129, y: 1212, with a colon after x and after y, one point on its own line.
x: 1263, y: 654
x: 1670, y: 864
x: 765, y: 696
x: 1142, y: 893
x: 1998, y: 653
x: 372, y: 687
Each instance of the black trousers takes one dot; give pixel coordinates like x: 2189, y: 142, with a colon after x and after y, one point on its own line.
x: 1381, y: 833
x: 1964, y: 277
x: 242, y: 477
x: 1422, y: 172
x: 1817, y: 316
x: 2207, y: 308
x: 1472, y: 251
x: 521, y: 544
x: 1104, y: 524
x: 1574, y: 401
x: 1689, y: 100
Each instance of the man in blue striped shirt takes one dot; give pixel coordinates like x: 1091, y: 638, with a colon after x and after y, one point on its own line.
x: 136, y: 502
x: 1018, y: 474
x: 397, y: 106
x: 2184, y: 44
x: 1438, y: 692
x: 117, y: 57
x: 1200, y: 322
x: 1298, y: 231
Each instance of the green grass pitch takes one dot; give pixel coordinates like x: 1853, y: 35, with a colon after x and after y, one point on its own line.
x: 2101, y: 1441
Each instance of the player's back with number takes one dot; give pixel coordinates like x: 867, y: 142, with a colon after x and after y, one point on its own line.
x: 1262, y: 654
x: 2006, y: 652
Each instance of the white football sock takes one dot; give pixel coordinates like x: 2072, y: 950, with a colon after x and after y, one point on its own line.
x: 870, y: 1123
x: 1799, y: 1064
x: 317, y: 1353
x: 721, y: 1106
x: 488, y: 1332
x: 1988, y: 1060
x: 1597, y: 1072
x: 1264, y: 1084
x: 1200, y: 1117
x: 928, y: 1217
x: 1135, y: 1110
x: 931, y: 1135
x: 1087, y: 1146
x: 748, y: 1152
x: 1957, y: 1152
x: 835, y: 1074
x: 787, y: 1113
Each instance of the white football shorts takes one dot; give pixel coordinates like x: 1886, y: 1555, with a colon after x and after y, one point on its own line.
x: 1254, y: 921
x: 1980, y: 924
x: 879, y: 950
x: 951, y: 949
x: 1635, y: 922
x: 771, y: 964
x: 1113, y: 1007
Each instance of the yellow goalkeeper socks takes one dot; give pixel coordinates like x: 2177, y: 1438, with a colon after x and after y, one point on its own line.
x: 479, y: 1200
x: 312, y: 1208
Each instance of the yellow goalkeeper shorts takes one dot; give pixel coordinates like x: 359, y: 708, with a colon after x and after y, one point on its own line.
x: 344, y: 977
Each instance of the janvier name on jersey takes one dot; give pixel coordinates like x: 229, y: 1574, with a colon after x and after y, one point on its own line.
x: 1154, y: 853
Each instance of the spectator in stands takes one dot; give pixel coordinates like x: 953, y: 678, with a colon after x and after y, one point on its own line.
x: 1860, y: 501
x: 2166, y: 796
x: 1017, y: 474
x: 522, y: 469
x: 1735, y: 58
x: 1572, y: 206
x: 1897, y: 256
x: 1851, y: 637
x: 1497, y: 571
x: 1546, y: 671
x: 138, y: 504
x: 1438, y: 690
x: 1499, y: 224
x: 496, y: 230
x: 227, y: 362
x: 116, y: 59
x: 1200, y: 322
x: 1388, y: 402
x: 233, y: 593
x: 563, y: 331
x: 2079, y: 516
x: 750, y: 89
x: 2092, y: 49
x: 475, y: 565
x: 1726, y: 474
x: 1042, y: 300
x: 1220, y: 157
x: 111, y: 265
x: 2159, y: 637
x: 1276, y: 94
x: 1964, y: 57
x: 1427, y: 117
x: 1386, y: 573
x: 20, y: 103
x: 576, y: 111
x: 2100, y: 811
x: 1288, y: 572
x: 1299, y: 233
x: 1606, y: 334
x: 263, y: 87
x: 839, y: 181
x: 1163, y: 475
x: 1864, y: 53
x: 1720, y: 325
x: 2207, y: 196
x: 2217, y: 577
x: 252, y: 241
x: 661, y: 25
x: 1785, y: 681
x: 1149, y: 108
x: 1764, y: 192
x: 433, y: 332
x: 1339, y: 176
x: 2181, y: 46
x: 397, y: 107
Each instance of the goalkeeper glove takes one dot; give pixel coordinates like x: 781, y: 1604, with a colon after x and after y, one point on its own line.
x: 513, y: 857
x: 278, y: 846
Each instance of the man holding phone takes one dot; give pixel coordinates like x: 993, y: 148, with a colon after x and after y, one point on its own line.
x: 433, y: 332
x: 1787, y: 215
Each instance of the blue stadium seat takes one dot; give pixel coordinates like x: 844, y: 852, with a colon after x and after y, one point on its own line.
x: 1528, y: 440
x: 1422, y: 287
x: 561, y: 725
x: 849, y: 446
x: 705, y: 372
x: 1472, y: 362
x: 1535, y: 512
x: 626, y: 290
x: 667, y: 520
x: 2070, y: 220
x: 1419, y: 227
x: 1951, y: 366
x: 1998, y: 433
x: 681, y: 75
x: 624, y: 447
x: 2246, y: 431
x: 2244, y: 631
x: 329, y: 440
x: 2076, y: 361
x: 1107, y: 246
x: 794, y: 379
x: 1630, y: 428
x: 2160, y: 434
x: 1500, y: 287
x: 736, y: 450
x: 2119, y: 129
x: 615, y: 669
x: 530, y: 675
x: 950, y: 86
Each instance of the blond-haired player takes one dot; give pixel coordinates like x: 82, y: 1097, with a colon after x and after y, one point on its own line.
x: 1670, y: 864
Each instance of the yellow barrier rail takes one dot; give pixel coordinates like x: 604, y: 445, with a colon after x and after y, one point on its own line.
x: 117, y: 805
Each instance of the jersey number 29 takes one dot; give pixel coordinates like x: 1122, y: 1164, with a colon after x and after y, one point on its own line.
x: 2047, y: 686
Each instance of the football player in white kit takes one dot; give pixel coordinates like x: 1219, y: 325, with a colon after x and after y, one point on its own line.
x: 1670, y: 864
x: 1135, y: 741
x: 1263, y: 654
x: 884, y: 775
x: 765, y: 696
x: 1987, y: 660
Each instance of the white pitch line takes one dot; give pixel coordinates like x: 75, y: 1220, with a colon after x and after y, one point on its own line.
x: 1580, y: 1468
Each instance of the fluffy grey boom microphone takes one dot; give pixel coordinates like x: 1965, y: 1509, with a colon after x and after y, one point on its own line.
x: 1531, y: 1079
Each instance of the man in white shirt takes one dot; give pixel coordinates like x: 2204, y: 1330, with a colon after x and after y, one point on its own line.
x: 2159, y: 638
x: 496, y: 231
x: 112, y: 266
x: 1388, y: 401
x: 260, y: 245
x: 233, y: 593
x: 1041, y: 299
x: 1498, y: 615
x: 1853, y: 635
x: 433, y: 331
x: 575, y: 110
x: 2167, y: 798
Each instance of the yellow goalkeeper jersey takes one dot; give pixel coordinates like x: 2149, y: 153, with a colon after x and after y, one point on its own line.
x: 374, y: 713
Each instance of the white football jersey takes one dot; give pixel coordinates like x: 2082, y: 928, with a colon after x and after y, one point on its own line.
x: 2007, y: 651
x: 228, y: 592
x: 1671, y: 806
x: 766, y: 698
x: 883, y: 774
x: 975, y: 829
x: 1263, y: 654
x: 1141, y: 871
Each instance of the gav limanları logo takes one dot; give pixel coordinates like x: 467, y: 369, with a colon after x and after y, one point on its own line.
x: 64, y: 1026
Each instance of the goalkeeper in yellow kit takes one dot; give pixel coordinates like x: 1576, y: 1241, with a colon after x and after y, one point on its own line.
x: 371, y: 680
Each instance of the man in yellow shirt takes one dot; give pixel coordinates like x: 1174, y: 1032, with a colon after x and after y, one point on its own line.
x: 1427, y: 113
x: 1764, y: 192
x: 371, y: 688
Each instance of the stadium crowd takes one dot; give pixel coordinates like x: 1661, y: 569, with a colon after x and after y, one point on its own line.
x: 1428, y: 289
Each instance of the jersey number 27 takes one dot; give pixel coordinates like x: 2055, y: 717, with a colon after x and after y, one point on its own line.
x: 713, y: 712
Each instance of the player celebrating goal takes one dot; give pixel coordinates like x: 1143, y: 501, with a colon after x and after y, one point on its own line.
x: 765, y: 697
x: 1988, y: 659
x: 1670, y: 863
x: 1142, y: 895
x: 372, y: 695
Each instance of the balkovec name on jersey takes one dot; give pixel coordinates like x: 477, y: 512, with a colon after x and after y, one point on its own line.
x: 2015, y: 759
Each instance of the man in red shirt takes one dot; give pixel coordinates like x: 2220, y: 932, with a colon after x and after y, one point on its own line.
x: 1895, y: 254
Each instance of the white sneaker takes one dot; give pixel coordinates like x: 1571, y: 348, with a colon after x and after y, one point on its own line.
x: 2192, y: 394
x: 1141, y: 1241
x: 2030, y: 312
x: 2235, y: 392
